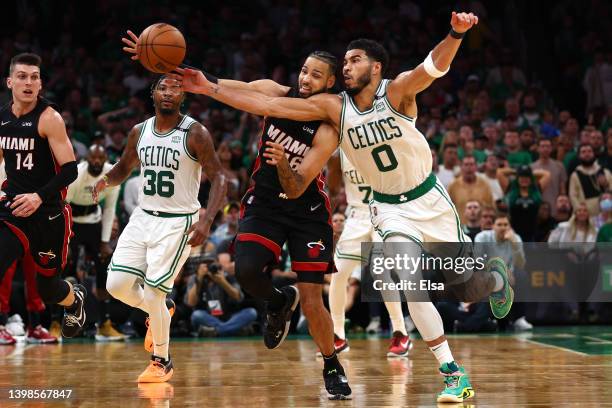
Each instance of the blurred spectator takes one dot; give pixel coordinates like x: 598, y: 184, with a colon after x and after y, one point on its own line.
x: 563, y: 209
x: 589, y: 180
x: 338, y: 220
x: 487, y: 215
x: 472, y: 219
x: 523, y: 200
x: 544, y: 223
x: 490, y: 175
x: 115, y: 144
x: 131, y: 194
x: 502, y: 241
x: 598, y: 82
x: 558, y: 177
x: 515, y: 155
x: 450, y: 164
x: 215, y: 297
x: 604, y: 220
x: 229, y: 227
x: 579, y: 228
x: 468, y: 187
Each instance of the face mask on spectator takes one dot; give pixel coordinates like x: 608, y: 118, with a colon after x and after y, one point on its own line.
x: 606, y: 205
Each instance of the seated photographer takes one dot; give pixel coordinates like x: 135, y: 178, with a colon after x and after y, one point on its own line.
x: 216, y: 298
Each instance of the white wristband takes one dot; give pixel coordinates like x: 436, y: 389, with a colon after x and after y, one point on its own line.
x: 431, y: 69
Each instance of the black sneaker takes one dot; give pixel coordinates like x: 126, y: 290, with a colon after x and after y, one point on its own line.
x: 276, y: 324
x: 336, y: 384
x: 74, y: 321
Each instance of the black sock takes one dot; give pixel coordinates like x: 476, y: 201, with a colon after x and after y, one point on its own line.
x: 277, y: 301
x: 160, y: 360
x: 34, y: 318
x: 103, y: 306
x: 331, y: 363
x: 3, y: 319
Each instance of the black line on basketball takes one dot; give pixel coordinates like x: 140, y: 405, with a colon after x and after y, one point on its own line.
x: 161, y: 58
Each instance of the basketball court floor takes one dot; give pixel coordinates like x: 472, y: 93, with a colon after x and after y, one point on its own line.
x: 549, y: 367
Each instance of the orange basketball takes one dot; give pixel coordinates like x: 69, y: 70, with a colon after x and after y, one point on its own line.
x: 161, y: 48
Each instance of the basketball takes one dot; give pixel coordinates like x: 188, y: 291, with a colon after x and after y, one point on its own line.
x: 161, y: 48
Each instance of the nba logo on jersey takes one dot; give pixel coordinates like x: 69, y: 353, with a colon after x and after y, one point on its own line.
x: 380, y: 106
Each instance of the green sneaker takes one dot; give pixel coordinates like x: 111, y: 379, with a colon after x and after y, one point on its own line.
x: 458, y: 387
x: 500, y: 301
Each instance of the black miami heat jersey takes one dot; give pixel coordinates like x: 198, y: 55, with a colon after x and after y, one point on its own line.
x: 296, y: 137
x: 29, y: 162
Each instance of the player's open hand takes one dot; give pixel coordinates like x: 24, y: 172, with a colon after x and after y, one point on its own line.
x: 461, y: 22
x: 274, y: 153
x: 130, y: 43
x: 199, y: 232
x: 192, y: 80
x: 25, y: 205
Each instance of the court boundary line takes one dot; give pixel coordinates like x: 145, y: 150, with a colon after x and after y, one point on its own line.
x: 580, y: 353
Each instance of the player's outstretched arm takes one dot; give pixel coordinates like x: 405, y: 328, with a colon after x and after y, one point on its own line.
x: 201, y: 146
x: 324, y: 107
x: 265, y: 86
x: 123, y: 168
x: 51, y: 126
x: 436, y: 64
x: 296, y: 181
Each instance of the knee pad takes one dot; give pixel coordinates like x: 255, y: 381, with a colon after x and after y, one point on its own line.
x: 52, y: 289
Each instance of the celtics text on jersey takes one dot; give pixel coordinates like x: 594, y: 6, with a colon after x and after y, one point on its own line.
x: 171, y: 175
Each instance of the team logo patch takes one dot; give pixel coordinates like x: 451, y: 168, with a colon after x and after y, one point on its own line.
x: 46, y: 257
x: 315, y: 248
x: 176, y: 139
x: 380, y: 106
x: 283, y: 196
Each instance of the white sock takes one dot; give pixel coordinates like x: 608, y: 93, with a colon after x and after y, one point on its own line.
x: 159, y: 320
x: 499, y: 281
x: 337, y: 292
x: 397, y: 317
x: 442, y: 353
x: 125, y: 287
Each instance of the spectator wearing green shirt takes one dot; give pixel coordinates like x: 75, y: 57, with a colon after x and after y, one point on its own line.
x: 603, y: 222
x: 515, y: 156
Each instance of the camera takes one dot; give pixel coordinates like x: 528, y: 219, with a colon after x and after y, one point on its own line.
x: 213, y: 268
x: 192, y: 264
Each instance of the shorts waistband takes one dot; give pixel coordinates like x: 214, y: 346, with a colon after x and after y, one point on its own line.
x: 167, y: 215
x: 409, y: 195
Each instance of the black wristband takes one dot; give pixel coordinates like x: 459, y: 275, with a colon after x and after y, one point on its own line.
x: 211, y: 77
x: 455, y: 34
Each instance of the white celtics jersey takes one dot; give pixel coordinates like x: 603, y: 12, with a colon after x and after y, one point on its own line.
x: 171, y: 176
x: 384, y: 145
x: 358, y: 193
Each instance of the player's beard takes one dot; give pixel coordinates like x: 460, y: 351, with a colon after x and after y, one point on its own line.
x: 322, y: 90
x: 362, y: 82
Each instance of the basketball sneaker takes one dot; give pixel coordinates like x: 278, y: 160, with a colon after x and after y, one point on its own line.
x: 457, y: 384
x: 158, y: 371
x: 336, y: 384
x: 75, y: 316
x: 340, y: 345
x: 500, y: 301
x: 400, y: 345
x: 14, y: 325
x: 276, y: 325
x: 106, y: 332
x: 40, y: 335
x: 5, y: 337
x: 148, y: 341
